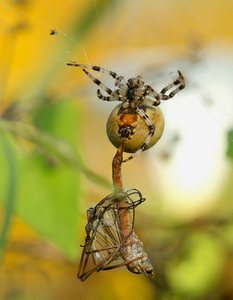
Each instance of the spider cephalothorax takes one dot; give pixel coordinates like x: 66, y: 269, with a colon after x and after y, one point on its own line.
x: 136, y: 99
x: 134, y: 92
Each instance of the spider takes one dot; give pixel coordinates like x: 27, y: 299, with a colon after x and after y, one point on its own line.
x: 134, y: 95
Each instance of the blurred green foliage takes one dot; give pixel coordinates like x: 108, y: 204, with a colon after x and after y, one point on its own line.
x: 186, y: 273
x: 230, y: 144
x: 48, y: 190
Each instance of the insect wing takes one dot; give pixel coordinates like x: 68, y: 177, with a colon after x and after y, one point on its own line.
x: 103, y: 242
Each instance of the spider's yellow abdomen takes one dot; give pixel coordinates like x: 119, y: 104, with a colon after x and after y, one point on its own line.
x: 140, y: 129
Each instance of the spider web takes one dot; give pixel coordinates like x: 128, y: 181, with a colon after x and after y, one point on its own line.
x: 136, y: 45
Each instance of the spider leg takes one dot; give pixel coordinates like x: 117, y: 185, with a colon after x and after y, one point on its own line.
x: 120, y: 82
x: 106, y: 98
x: 113, y: 95
x: 99, y: 83
x: 178, y: 85
x: 151, y: 128
x: 150, y: 91
x: 114, y: 75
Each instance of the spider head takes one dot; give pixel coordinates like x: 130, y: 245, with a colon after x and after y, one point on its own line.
x: 135, y: 82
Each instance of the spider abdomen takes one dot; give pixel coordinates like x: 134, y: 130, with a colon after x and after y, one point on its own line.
x: 132, y: 128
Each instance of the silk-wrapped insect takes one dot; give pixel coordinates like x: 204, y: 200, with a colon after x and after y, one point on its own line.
x: 110, y: 238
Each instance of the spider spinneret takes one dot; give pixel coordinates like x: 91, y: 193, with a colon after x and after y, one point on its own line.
x: 137, y: 100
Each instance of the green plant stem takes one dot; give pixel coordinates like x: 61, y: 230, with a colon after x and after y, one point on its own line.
x: 10, y: 194
x: 52, y: 146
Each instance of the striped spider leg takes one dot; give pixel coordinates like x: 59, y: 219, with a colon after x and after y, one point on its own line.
x: 134, y: 95
x: 105, y: 248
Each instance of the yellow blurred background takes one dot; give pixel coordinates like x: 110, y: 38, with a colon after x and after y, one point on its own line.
x: 55, y: 158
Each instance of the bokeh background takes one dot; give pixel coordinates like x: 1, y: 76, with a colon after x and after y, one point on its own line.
x: 55, y: 158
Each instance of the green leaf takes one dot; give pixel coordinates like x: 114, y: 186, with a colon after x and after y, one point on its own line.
x: 48, y: 201
x: 60, y: 119
x: 8, y: 187
x: 230, y: 144
x: 48, y: 188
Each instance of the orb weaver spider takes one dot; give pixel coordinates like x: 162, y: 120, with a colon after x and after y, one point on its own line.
x: 135, y: 97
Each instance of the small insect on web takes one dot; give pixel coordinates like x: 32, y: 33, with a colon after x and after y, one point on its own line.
x: 136, y: 98
x: 53, y: 32
x: 106, y: 246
